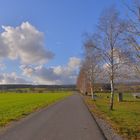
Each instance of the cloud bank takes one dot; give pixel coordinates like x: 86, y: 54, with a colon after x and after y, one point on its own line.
x: 53, y: 75
x: 12, y: 78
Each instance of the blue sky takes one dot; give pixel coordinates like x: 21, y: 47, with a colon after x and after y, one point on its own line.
x: 63, y: 23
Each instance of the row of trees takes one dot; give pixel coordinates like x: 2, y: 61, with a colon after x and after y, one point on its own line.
x: 113, y: 52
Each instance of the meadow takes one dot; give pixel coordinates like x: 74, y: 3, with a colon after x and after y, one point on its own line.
x: 14, y: 106
x: 125, y: 118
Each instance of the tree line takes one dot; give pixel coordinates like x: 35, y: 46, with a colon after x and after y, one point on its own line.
x: 112, y: 53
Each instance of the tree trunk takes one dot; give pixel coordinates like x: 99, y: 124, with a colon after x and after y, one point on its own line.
x: 112, y: 78
x: 112, y: 94
x: 92, y: 91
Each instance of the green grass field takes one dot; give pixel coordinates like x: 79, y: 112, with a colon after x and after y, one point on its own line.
x: 125, y: 118
x: 14, y: 106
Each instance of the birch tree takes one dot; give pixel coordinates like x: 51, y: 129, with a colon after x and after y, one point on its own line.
x: 89, y: 72
x: 133, y: 31
x: 92, y: 62
x: 82, y: 81
x: 111, y: 29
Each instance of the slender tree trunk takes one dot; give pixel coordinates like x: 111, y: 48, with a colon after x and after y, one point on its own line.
x: 112, y: 93
x: 91, y: 90
x: 84, y: 87
x: 112, y: 78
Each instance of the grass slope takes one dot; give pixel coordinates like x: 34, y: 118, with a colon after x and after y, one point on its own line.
x: 14, y: 106
x: 125, y: 118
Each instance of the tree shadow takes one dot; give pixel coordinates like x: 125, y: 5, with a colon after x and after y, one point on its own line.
x: 131, y: 101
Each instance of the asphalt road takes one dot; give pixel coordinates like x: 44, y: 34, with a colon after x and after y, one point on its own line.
x: 66, y: 120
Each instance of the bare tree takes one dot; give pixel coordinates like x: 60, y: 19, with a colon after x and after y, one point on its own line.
x: 111, y: 29
x: 133, y: 31
x: 82, y: 81
x: 92, y: 62
x: 90, y: 69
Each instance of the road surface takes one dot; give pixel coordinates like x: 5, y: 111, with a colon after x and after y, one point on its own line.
x: 66, y: 120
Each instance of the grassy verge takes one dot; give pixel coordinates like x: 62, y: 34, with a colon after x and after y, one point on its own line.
x: 125, y: 118
x: 13, y: 106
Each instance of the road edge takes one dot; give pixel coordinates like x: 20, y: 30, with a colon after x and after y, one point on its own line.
x: 106, y: 129
x: 101, y: 130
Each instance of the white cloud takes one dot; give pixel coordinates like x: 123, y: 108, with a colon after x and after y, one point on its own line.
x: 53, y: 75
x: 2, y: 66
x: 25, y: 43
x: 72, y: 66
x: 12, y: 78
x: 4, y: 50
x: 74, y: 62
